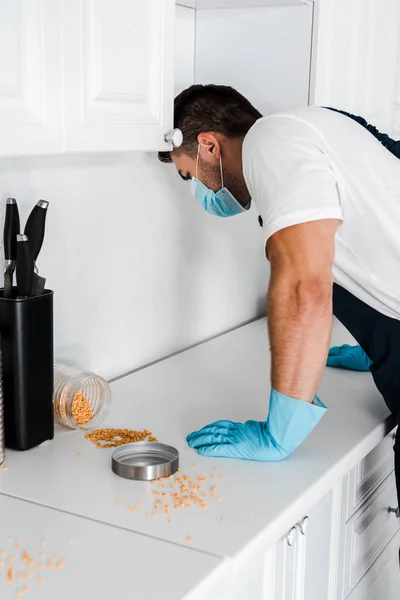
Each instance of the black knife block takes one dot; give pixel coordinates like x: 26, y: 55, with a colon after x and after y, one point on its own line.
x: 26, y: 330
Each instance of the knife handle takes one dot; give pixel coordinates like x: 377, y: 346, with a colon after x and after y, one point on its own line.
x: 11, y: 229
x: 35, y: 227
x: 25, y: 266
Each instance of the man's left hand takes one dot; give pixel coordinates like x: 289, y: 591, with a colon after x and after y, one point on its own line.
x: 348, y: 357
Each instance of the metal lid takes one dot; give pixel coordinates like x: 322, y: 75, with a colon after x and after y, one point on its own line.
x: 145, y: 460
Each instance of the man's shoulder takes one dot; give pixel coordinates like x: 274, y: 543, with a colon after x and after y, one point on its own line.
x: 286, y: 127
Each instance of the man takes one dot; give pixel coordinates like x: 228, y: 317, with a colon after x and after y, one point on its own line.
x: 328, y: 193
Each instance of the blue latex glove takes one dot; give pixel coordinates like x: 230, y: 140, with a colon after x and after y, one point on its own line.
x: 348, y: 357
x: 289, y: 422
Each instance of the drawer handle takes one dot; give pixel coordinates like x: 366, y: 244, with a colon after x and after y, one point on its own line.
x: 291, y: 536
x: 396, y: 511
x: 303, y: 525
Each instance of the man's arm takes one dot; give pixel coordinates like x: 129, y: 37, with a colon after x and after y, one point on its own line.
x: 299, y: 305
x: 300, y: 320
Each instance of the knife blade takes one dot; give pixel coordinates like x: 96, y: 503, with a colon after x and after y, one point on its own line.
x: 38, y: 285
x: 24, y: 266
x: 35, y: 230
x: 11, y: 229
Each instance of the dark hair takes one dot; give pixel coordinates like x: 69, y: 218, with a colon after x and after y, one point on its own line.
x: 217, y: 108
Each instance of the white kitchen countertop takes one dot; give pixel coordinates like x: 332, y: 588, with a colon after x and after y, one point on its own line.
x: 227, y: 377
x: 100, y: 561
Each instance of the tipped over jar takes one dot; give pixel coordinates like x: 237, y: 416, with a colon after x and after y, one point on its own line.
x: 82, y: 399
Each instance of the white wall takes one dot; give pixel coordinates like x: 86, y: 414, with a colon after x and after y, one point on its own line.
x: 139, y: 271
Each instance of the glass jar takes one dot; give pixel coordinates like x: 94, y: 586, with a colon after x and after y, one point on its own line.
x: 82, y: 399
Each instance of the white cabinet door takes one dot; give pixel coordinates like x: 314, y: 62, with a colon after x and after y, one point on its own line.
x: 383, y: 579
x: 185, y: 37
x: 355, y: 58
x: 263, y: 52
x: 118, y: 62
x: 367, y: 534
x: 285, y: 563
x: 319, y: 550
x: 30, y: 77
x: 302, y: 571
x: 301, y: 566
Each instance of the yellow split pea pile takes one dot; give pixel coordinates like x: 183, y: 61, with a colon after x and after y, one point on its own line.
x: 81, y: 409
x: 22, y: 567
x: 111, y: 438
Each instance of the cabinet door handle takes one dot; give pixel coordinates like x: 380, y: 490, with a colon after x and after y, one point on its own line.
x: 291, y: 536
x: 174, y: 137
x: 303, y: 525
x: 396, y: 511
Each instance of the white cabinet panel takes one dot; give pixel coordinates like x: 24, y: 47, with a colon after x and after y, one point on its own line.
x: 263, y: 52
x: 319, y: 549
x: 396, y: 131
x: 118, y: 69
x: 301, y: 571
x: 284, y: 569
x: 201, y: 4
x: 186, y: 3
x: 185, y: 35
x: 368, y: 532
x: 355, y: 57
x: 368, y: 475
x: 30, y: 77
x: 382, y: 582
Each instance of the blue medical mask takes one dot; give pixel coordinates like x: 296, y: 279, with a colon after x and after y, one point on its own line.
x: 221, y: 203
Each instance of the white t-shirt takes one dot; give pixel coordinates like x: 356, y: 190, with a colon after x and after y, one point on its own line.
x: 313, y: 164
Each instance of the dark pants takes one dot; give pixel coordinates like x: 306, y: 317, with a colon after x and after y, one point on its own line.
x: 379, y: 337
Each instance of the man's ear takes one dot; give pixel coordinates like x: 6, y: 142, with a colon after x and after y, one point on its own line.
x: 209, y: 145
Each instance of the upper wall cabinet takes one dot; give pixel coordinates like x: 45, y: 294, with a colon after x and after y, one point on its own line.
x: 185, y: 37
x: 85, y: 75
x: 356, y: 59
x: 205, y: 4
x: 118, y: 73
x: 263, y: 52
x: 30, y: 77
x: 396, y: 127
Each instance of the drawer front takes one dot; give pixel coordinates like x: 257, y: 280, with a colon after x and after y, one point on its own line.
x: 382, y: 581
x: 368, y: 532
x: 368, y: 475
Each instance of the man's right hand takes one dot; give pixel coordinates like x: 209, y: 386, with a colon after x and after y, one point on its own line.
x: 288, y: 424
x: 348, y: 357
